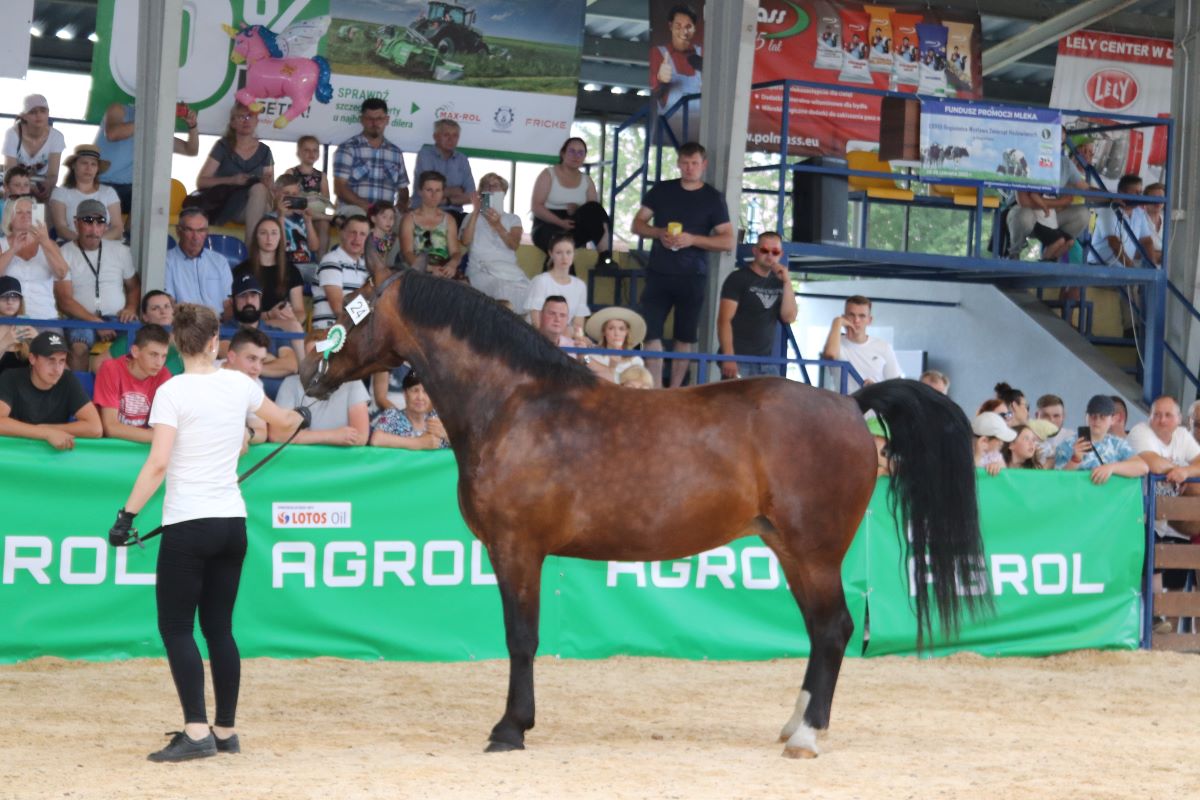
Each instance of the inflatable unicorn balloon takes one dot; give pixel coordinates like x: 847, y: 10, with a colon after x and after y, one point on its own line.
x: 270, y: 72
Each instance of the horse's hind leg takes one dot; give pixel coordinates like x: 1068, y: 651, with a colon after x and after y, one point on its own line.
x: 519, y: 577
x: 816, y: 583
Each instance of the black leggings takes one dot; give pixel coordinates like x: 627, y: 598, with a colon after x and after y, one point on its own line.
x: 199, y: 566
x: 591, y: 223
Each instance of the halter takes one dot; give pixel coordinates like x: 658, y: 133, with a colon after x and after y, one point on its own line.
x: 357, y: 309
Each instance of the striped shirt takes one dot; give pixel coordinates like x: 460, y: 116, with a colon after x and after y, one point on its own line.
x: 337, y: 269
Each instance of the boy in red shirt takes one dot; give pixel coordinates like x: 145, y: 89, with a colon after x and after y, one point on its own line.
x: 126, y: 385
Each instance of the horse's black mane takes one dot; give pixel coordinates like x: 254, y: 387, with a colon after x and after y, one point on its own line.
x: 485, y: 325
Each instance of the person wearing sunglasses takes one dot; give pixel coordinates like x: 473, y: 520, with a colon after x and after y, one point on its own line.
x: 102, y: 285
x: 753, y: 301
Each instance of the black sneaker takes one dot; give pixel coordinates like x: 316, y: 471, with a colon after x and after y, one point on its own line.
x: 230, y: 745
x: 185, y: 748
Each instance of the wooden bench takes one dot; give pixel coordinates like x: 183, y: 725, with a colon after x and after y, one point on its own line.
x: 1177, y: 556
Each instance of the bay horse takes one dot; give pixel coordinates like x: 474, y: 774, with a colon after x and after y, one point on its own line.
x: 698, y: 467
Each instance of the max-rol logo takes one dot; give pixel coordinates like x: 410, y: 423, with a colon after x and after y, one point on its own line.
x: 310, y: 515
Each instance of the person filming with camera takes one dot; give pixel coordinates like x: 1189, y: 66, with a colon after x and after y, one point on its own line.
x: 1097, y: 450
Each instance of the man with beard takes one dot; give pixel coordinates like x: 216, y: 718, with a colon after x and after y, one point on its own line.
x: 368, y: 168
x: 279, y: 358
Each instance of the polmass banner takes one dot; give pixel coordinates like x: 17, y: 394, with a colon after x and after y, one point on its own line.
x: 506, y: 70
x: 894, y: 47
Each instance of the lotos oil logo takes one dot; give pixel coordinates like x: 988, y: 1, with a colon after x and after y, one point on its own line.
x: 1111, y: 89
x: 779, y: 19
x: 310, y: 515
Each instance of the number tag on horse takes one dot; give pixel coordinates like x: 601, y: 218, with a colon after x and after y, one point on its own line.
x: 358, y: 308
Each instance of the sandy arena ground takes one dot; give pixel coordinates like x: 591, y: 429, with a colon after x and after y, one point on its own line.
x: 1082, y: 725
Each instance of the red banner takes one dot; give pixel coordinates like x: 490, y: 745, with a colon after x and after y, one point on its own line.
x: 867, y: 46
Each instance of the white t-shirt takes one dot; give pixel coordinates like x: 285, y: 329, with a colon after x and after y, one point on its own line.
x: 1108, y: 225
x: 337, y: 269
x: 873, y: 359
x: 488, y: 247
x: 114, y: 263
x: 208, y: 412
x: 71, y: 198
x: 37, y: 282
x: 1181, y: 451
x: 39, y: 161
x: 543, y: 286
x: 328, y: 414
x: 1143, y: 227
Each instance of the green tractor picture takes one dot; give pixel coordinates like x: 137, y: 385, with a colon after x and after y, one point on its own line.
x: 411, y: 52
x: 451, y: 29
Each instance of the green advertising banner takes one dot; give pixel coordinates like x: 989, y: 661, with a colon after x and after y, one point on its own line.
x: 506, y: 70
x: 362, y: 554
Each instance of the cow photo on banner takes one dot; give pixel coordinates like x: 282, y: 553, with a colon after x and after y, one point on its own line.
x: 505, y: 70
x: 1107, y: 72
x: 1000, y: 145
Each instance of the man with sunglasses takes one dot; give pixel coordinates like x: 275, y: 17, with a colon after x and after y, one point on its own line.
x: 102, y: 285
x: 753, y: 300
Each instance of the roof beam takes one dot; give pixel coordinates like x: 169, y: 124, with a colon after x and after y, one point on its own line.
x: 1133, y: 24
x: 1035, y: 38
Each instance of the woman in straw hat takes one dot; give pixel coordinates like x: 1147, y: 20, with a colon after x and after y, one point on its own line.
x: 615, y: 328
x: 82, y: 182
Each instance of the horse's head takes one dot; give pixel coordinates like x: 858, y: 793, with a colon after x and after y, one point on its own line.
x: 251, y: 43
x: 378, y: 341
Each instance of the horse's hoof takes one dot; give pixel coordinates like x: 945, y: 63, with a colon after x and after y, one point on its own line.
x: 798, y: 752
x: 281, y: 122
x: 502, y: 747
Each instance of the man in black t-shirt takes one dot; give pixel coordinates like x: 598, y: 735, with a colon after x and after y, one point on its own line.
x: 36, y: 401
x: 685, y: 218
x: 752, y: 301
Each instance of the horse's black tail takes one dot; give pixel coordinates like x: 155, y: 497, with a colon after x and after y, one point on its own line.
x: 933, y: 488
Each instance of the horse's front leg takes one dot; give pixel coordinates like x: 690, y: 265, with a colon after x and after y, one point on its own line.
x: 519, y: 576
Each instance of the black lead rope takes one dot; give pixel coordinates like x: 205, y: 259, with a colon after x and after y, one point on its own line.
x: 262, y: 463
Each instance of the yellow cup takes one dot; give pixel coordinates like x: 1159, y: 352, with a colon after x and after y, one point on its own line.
x: 674, y: 228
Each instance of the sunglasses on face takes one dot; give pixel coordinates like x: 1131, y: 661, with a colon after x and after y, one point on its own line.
x: 92, y: 220
x: 770, y: 251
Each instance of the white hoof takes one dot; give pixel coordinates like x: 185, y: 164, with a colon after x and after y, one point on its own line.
x: 802, y: 744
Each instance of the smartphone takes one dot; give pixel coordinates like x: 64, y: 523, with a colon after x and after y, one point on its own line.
x: 493, y: 200
x: 181, y: 110
x: 1085, y: 433
x: 39, y: 214
x: 297, y: 203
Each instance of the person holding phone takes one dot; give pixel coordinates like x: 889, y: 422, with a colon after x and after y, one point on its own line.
x: 493, y: 237
x: 1097, y: 450
x: 28, y: 254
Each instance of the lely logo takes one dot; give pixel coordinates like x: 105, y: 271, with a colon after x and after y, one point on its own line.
x: 310, y: 515
x: 779, y: 19
x: 503, y: 118
x: 1111, y: 89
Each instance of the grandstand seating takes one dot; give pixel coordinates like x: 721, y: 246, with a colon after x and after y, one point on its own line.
x: 231, y: 247
x: 178, y: 193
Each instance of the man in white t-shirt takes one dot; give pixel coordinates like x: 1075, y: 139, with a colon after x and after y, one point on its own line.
x: 342, y: 270
x: 1168, y: 449
x: 102, y: 285
x: 871, y: 357
x: 1113, y: 242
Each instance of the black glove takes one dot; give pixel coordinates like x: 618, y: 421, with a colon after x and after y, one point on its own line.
x: 122, y: 531
x: 305, y: 416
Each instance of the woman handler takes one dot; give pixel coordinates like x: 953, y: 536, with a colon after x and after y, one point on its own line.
x: 199, y: 421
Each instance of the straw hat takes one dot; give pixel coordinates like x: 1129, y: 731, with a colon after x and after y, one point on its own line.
x: 594, y: 327
x: 1043, y: 428
x: 82, y: 150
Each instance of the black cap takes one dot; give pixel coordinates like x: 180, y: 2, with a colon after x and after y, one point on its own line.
x: 48, y: 343
x: 9, y: 285
x: 246, y: 283
x: 1101, y: 404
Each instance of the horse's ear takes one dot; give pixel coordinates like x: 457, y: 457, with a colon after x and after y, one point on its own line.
x: 379, y: 273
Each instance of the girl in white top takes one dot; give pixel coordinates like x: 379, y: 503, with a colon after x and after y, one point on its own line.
x: 199, y: 422
x: 493, y: 237
x: 558, y: 280
x: 32, y: 142
x: 28, y: 254
x: 84, y: 167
